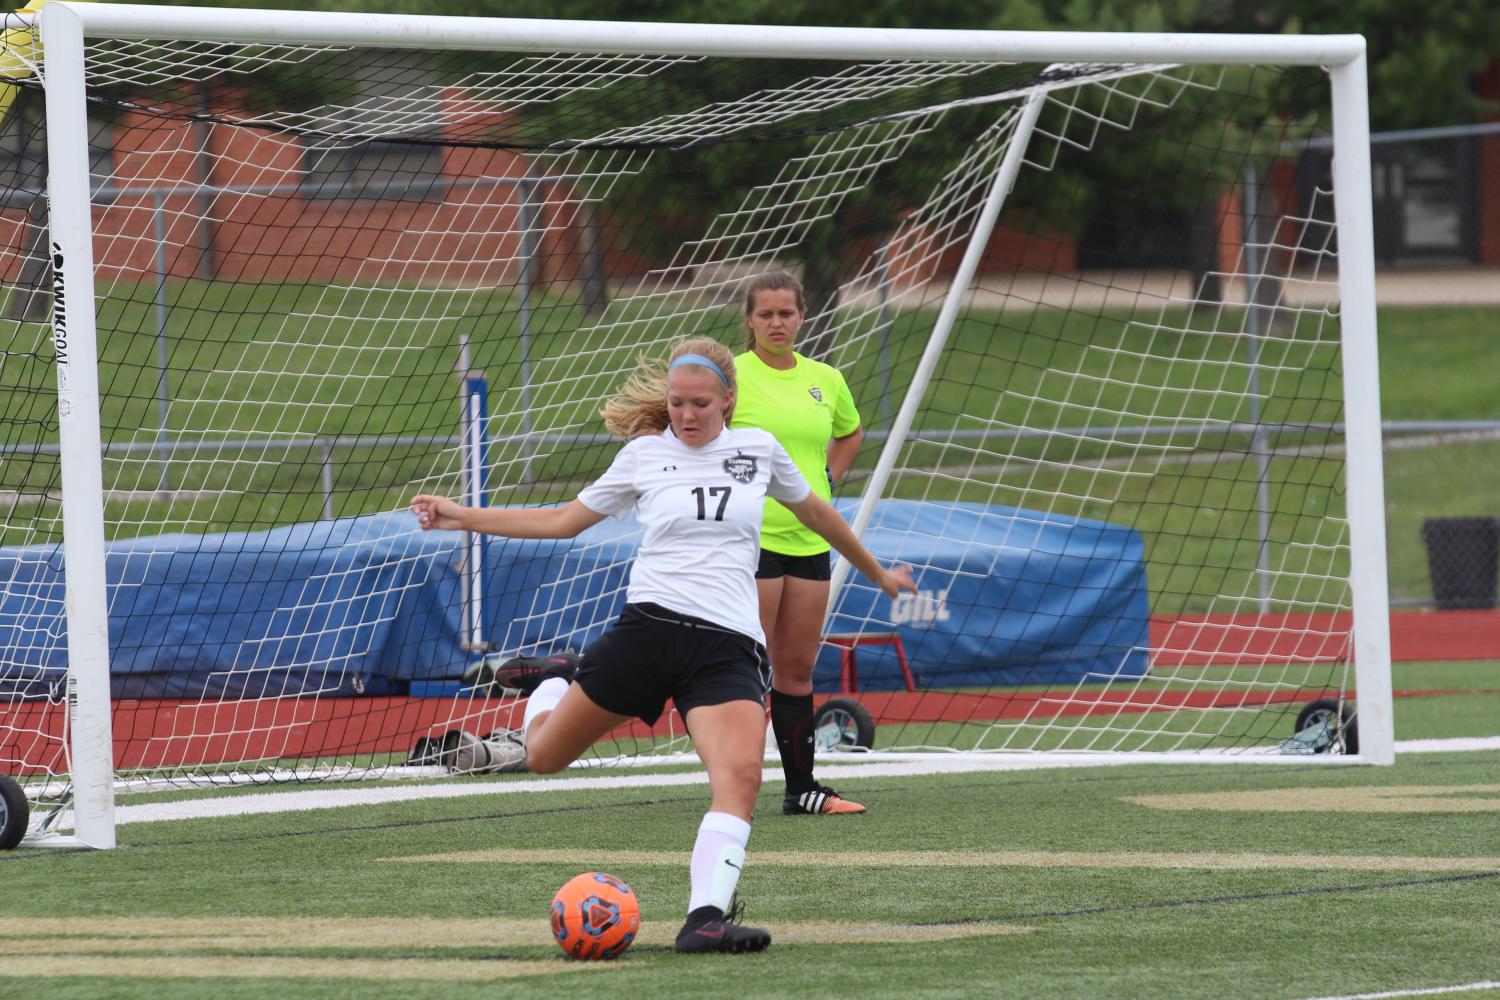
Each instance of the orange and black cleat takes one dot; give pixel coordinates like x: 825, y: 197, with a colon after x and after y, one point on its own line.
x: 819, y: 800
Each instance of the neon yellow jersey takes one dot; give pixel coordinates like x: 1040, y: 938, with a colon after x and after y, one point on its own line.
x: 804, y: 408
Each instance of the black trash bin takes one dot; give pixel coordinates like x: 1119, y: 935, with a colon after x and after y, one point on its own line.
x: 1461, y: 559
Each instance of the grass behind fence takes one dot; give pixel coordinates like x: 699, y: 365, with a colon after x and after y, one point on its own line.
x: 392, y: 373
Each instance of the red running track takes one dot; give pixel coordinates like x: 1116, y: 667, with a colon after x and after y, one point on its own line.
x: 1321, y: 638
x: 165, y: 734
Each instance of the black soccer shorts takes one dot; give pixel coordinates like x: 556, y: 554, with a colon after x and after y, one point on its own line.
x: 774, y: 566
x: 652, y: 653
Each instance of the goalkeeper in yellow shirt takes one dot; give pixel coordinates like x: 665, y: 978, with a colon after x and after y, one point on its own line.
x: 806, y: 405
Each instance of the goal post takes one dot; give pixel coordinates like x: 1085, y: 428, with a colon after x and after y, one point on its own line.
x: 71, y: 231
x: 305, y: 265
x: 1365, y: 467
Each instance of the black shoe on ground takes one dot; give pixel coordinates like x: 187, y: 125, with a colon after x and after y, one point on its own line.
x: 819, y: 800
x: 708, y: 928
x: 435, y: 750
x: 425, y: 753
x: 525, y: 673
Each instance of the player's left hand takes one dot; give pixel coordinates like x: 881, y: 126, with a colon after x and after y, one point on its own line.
x: 896, y: 579
x: 437, y: 512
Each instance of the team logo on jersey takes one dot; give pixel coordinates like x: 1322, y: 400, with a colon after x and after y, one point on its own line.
x: 741, y: 467
x: 815, y: 393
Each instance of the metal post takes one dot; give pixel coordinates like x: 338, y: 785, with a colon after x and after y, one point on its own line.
x: 204, y: 160
x: 530, y: 238
x: 475, y: 451
x: 883, y: 324
x: 1260, y: 442
x: 467, y: 564
x: 163, y: 348
x: 325, y: 475
x: 984, y: 225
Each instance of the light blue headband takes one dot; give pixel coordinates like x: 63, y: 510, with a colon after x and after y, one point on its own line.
x: 698, y: 359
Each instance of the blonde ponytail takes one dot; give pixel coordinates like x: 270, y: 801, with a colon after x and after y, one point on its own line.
x: 640, y: 407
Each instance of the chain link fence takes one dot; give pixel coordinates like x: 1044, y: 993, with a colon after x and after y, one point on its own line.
x: 1443, y: 517
x: 1437, y: 244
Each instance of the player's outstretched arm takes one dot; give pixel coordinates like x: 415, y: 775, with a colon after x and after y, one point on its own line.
x: 509, y: 522
x: 819, y: 515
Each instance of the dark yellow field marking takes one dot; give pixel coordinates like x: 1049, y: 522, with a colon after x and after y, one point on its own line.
x: 108, y: 966
x: 244, y: 948
x: 245, y: 933
x: 1390, y: 799
x: 267, y: 947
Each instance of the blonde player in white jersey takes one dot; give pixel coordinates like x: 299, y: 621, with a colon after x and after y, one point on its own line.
x: 690, y: 629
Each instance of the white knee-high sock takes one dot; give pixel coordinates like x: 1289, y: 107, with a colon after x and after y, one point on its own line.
x: 543, y: 699
x: 718, y: 856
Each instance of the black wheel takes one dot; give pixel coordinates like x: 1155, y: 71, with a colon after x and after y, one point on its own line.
x: 14, y: 813
x: 841, y: 722
x: 1328, y: 710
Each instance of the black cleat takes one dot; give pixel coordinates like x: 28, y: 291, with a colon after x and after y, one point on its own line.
x: 435, y: 750
x: 708, y: 928
x: 424, y: 753
x: 525, y: 673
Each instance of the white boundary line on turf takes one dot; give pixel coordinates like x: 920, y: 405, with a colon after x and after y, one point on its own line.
x: 838, y: 766
x: 326, y: 798
x: 1419, y: 992
x: 1455, y: 745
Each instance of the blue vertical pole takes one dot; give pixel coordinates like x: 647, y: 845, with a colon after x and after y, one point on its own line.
x: 476, y: 447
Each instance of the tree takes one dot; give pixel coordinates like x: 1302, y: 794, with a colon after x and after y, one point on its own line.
x: 1422, y: 57
x: 1407, y: 44
x: 703, y: 182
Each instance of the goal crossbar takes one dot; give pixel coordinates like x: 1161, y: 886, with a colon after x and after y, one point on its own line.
x: 141, y: 21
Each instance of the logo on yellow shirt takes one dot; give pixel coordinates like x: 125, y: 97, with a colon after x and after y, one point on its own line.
x: 815, y: 393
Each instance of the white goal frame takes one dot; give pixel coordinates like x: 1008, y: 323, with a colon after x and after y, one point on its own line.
x: 64, y: 26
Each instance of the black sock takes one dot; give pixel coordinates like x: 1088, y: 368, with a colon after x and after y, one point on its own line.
x: 792, y: 722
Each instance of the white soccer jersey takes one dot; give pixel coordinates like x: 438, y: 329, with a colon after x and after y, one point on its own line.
x: 700, y: 512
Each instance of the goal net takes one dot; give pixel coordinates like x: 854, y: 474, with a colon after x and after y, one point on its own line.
x: 1114, y: 363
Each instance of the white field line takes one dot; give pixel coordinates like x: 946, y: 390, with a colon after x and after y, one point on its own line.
x: 1418, y: 992
x: 325, y: 798
x: 905, y: 765
x: 1464, y: 744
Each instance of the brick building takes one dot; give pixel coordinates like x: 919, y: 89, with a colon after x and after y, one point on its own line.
x: 268, y: 207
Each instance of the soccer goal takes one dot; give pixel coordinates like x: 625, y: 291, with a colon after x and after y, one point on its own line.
x: 1105, y: 302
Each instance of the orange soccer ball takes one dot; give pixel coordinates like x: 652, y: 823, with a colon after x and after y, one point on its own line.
x: 595, y: 916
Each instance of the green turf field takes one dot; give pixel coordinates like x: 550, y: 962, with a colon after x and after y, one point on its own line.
x: 1289, y: 880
